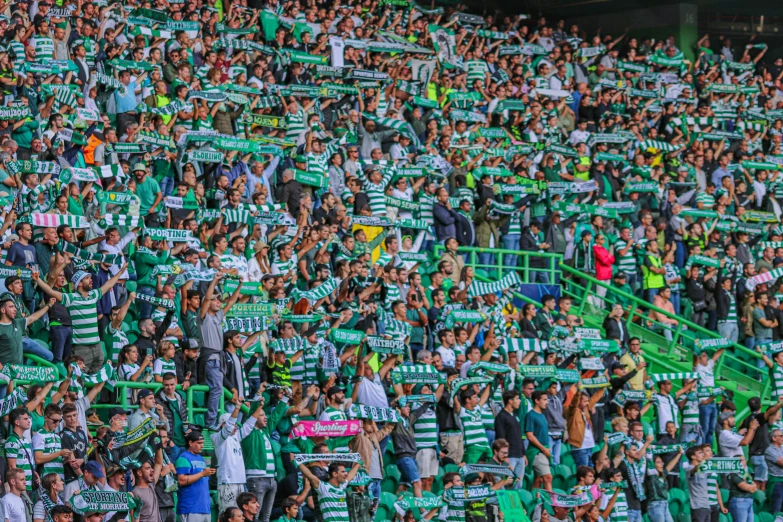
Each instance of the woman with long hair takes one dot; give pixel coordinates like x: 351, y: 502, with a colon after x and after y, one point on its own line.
x: 51, y: 487
x: 129, y: 369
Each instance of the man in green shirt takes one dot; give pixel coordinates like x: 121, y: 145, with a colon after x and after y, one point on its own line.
x: 148, y: 192
x: 537, y: 431
x: 12, y: 329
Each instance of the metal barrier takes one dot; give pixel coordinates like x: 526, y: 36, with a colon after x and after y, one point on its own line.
x: 747, y: 373
x: 498, y: 266
x: 730, y: 367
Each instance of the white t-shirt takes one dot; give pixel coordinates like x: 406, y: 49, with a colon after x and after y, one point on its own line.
x: 372, y: 393
x: 447, y: 356
x: 730, y: 444
x: 13, y: 505
x: 706, y: 374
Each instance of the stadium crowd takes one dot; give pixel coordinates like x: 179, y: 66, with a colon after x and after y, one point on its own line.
x: 244, y: 220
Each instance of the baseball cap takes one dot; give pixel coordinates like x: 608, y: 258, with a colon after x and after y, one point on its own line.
x: 194, y: 436
x: 224, y: 419
x: 334, y: 390
x: 94, y: 468
x: 726, y: 415
x: 118, y: 411
x: 193, y: 344
x: 143, y: 394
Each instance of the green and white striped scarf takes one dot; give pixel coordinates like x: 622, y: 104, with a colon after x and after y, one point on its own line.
x: 677, y: 376
x: 478, y: 288
x: 109, y: 259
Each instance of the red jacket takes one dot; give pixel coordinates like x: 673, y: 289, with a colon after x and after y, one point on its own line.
x: 603, y: 263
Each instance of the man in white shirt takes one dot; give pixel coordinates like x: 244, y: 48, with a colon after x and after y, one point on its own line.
x: 446, y: 348
x: 731, y: 443
x: 13, y: 505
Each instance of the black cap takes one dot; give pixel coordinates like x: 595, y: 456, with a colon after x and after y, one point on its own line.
x: 119, y: 411
x: 143, y: 394
x: 194, y: 436
x: 334, y: 390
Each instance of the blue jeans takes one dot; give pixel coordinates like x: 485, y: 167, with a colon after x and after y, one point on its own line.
x: 582, y: 456
x: 485, y: 259
x: 375, y: 490
x: 675, y: 300
x: 760, y: 468
x: 708, y: 416
x: 659, y: 511
x: 145, y: 308
x: 650, y: 293
x: 62, y: 339
x: 37, y: 348
x: 215, y: 383
x: 741, y: 509
x: 540, y: 277
x: 490, y: 436
x: 166, y: 186
x: 517, y: 464
x: 510, y: 242
x: 776, y: 497
x: 679, y: 254
x: 555, y: 445
x: 634, y: 515
x: 408, y: 470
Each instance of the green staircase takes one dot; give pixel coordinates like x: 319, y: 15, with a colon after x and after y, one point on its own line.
x: 738, y: 369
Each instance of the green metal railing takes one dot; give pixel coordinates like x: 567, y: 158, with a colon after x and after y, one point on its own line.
x: 738, y: 366
x: 122, y: 388
x: 498, y: 268
x: 730, y: 367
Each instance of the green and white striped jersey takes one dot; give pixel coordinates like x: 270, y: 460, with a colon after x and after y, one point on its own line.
x: 332, y: 502
x: 18, y: 49
x: 626, y: 263
x: 116, y: 339
x: 426, y: 203
x: 707, y: 200
x: 48, y: 443
x: 731, y: 317
x: 477, y: 70
x: 473, y: 432
x: 84, y: 316
x: 690, y: 413
x: 712, y: 489
x: 18, y: 448
x: 776, y: 376
x: 44, y: 48
x: 376, y: 191
x: 296, y: 124
x: 425, y: 429
x: 620, y: 510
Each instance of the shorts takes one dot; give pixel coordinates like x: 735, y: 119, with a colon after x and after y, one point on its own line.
x: 195, y: 517
x: 760, y: 468
x: 451, y: 445
x: 541, y: 465
x: 227, y: 495
x: 427, y: 462
x: 408, y: 471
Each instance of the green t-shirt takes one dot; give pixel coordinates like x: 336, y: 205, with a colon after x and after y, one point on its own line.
x: 536, y: 424
x: 147, y: 192
x: 761, y: 331
x: 735, y: 479
x: 417, y: 333
x: 11, y: 341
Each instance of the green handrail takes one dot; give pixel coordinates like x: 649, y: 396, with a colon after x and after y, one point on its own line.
x: 523, y: 260
x: 692, y: 326
x: 638, y: 307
